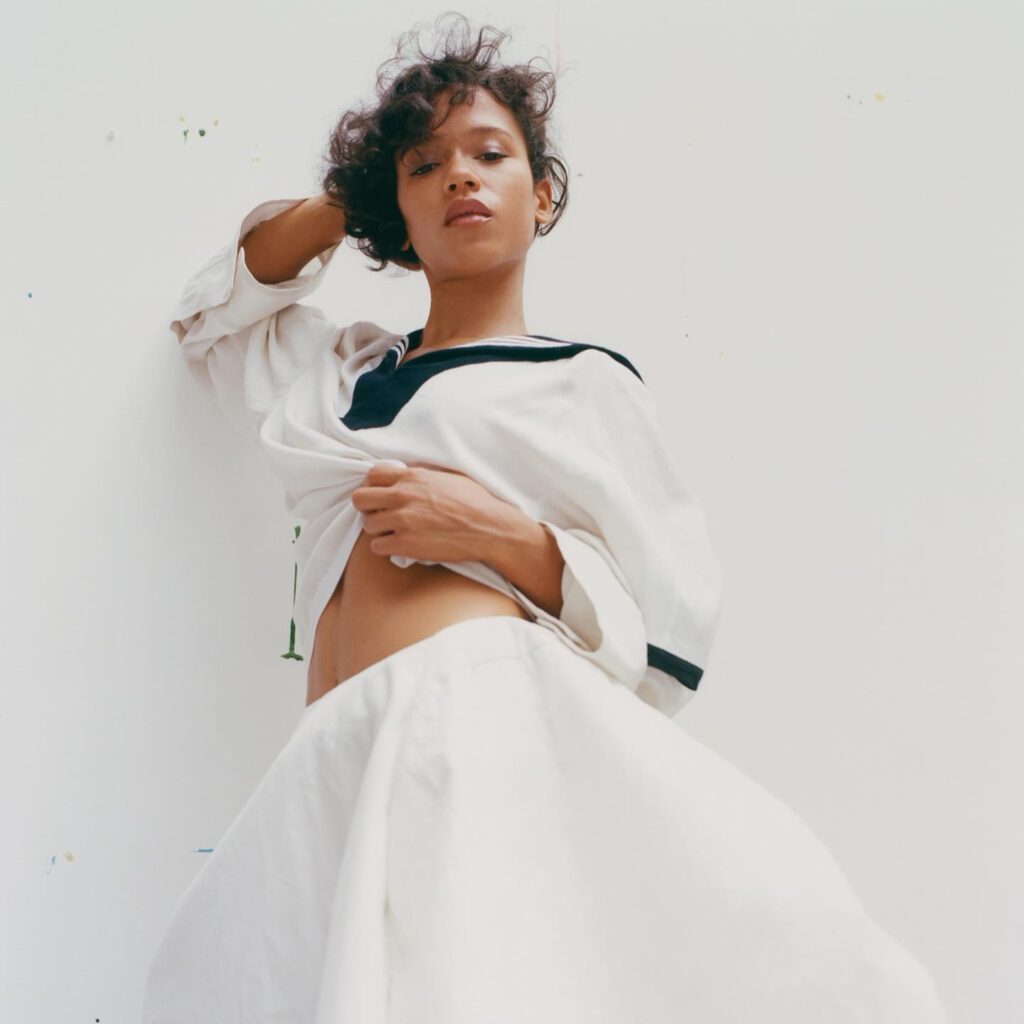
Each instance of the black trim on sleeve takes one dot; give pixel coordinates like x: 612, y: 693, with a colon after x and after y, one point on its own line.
x: 685, y: 671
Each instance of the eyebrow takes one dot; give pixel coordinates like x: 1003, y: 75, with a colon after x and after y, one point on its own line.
x: 481, y: 129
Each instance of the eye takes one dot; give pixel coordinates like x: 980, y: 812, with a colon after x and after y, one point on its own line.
x: 500, y: 156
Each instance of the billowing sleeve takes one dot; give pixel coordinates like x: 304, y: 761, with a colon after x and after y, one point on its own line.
x: 252, y: 340
x: 642, y: 585
x: 652, y: 524
x: 599, y: 616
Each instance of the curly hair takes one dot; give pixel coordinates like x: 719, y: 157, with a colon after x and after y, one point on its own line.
x: 360, y: 175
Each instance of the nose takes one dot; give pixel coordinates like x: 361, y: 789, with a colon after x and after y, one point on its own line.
x: 461, y: 173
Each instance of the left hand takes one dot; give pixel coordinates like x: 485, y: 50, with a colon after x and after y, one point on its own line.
x: 438, y: 515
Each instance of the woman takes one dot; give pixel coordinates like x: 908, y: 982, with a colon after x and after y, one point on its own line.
x: 484, y: 813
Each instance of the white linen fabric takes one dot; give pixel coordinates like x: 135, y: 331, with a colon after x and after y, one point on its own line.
x: 485, y: 827
x: 566, y: 431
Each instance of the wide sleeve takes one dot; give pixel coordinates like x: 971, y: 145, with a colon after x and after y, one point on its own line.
x: 252, y: 340
x: 661, y: 577
x: 599, y: 616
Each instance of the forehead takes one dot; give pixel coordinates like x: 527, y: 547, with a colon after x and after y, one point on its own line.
x: 481, y: 116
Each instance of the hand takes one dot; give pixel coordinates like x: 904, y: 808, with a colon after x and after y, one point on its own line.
x: 436, y: 515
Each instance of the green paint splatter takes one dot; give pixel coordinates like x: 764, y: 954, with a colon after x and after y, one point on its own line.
x: 291, y: 653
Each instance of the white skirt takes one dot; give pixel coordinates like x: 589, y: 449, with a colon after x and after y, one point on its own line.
x: 483, y: 828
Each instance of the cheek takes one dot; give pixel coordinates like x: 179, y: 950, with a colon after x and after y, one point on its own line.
x: 526, y: 205
x: 404, y: 202
x: 415, y: 211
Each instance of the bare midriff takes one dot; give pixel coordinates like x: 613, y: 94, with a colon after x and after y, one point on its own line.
x: 378, y: 608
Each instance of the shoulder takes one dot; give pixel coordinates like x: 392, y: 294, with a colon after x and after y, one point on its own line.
x: 599, y: 365
x: 606, y: 387
x: 590, y: 358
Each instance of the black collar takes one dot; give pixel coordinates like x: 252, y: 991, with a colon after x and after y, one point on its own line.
x: 380, y: 394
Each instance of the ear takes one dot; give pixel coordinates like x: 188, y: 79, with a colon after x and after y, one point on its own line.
x: 545, y: 207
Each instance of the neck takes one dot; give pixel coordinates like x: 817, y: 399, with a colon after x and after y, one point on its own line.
x: 477, y: 306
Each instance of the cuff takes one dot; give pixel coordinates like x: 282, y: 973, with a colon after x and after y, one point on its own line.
x: 222, y: 297
x: 599, y: 616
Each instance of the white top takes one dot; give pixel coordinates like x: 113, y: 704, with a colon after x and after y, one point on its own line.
x: 568, y: 432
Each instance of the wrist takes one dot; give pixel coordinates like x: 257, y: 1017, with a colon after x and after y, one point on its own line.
x: 527, y: 555
x: 515, y: 542
x: 330, y: 216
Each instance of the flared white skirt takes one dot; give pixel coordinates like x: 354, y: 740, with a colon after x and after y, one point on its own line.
x: 483, y: 828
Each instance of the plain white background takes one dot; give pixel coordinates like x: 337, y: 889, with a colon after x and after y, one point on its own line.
x: 801, y: 221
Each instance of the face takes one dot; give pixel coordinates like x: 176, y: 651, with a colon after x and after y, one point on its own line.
x: 477, y: 153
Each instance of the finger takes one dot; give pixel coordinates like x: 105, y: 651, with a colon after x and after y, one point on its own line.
x: 380, y: 522
x: 385, y: 473
x: 381, y: 545
x: 372, y: 499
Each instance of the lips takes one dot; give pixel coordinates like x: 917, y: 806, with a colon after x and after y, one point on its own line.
x: 463, y: 206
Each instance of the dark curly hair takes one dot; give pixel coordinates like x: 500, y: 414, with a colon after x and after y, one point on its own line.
x: 360, y: 172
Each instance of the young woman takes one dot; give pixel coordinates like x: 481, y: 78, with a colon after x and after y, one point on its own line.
x: 485, y: 813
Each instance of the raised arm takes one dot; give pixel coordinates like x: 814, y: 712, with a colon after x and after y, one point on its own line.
x: 239, y: 315
x: 278, y: 248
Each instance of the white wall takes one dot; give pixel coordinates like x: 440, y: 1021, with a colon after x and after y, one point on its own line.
x: 806, y: 219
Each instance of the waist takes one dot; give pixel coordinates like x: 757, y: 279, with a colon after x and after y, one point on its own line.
x: 378, y: 608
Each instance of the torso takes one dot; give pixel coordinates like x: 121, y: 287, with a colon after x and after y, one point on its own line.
x: 378, y: 608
